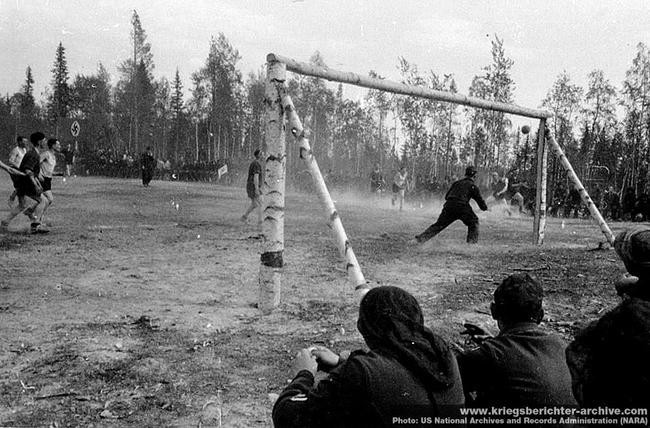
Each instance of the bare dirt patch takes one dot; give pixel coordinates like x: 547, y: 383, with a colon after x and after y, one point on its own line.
x: 134, y: 312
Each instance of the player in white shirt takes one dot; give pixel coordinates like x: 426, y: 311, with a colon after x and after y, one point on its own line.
x: 400, y: 182
x: 15, y: 158
x: 48, y: 162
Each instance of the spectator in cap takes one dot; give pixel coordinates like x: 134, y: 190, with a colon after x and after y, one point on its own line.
x: 523, y: 366
x: 610, y: 359
x: 409, y: 371
x: 457, y: 207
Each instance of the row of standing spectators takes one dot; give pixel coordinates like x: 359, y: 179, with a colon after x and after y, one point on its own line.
x: 109, y: 163
x: 613, y: 205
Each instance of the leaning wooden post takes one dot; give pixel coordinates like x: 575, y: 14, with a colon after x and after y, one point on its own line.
x: 593, y: 210
x: 355, y: 276
x: 271, y: 261
x: 539, y: 222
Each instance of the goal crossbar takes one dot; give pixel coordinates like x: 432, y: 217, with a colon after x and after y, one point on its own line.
x: 403, y: 89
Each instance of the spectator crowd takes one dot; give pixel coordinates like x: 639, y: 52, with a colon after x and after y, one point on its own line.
x: 110, y: 163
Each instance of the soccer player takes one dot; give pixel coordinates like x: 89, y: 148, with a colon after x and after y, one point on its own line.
x: 15, y: 158
x: 376, y: 180
x: 399, y: 187
x: 500, y: 189
x: 147, y: 165
x: 29, y: 186
x: 457, y: 207
x: 48, y: 162
x: 254, y: 187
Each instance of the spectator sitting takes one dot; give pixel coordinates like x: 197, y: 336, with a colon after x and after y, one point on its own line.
x: 609, y: 360
x: 408, y: 369
x: 523, y: 366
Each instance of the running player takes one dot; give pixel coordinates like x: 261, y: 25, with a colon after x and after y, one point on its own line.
x: 254, y: 187
x: 29, y: 186
x: 48, y: 162
x: 399, y: 187
x: 15, y: 158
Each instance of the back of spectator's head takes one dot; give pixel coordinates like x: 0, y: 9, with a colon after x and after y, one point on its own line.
x: 633, y: 247
x: 51, y: 142
x: 518, y: 299
x: 36, y: 137
x: 470, y: 171
x: 391, y: 323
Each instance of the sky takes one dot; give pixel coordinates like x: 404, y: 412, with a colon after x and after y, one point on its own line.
x: 543, y: 38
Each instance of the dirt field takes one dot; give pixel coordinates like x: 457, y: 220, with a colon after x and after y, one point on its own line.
x: 132, y: 312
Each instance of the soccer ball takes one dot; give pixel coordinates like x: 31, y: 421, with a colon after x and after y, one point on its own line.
x: 525, y: 129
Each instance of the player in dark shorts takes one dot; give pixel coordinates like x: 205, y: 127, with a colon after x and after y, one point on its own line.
x: 48, y: 164
x: 254, y: 187
x: 15, y: 158
x: 28, y: 186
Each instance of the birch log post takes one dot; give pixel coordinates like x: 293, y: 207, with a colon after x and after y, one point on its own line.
x: 539, y: 222
x: 355, y: 276
x: 593, y: 210
x: 271, y: 260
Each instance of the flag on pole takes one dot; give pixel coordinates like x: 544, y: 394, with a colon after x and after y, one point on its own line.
x: 222, y: 171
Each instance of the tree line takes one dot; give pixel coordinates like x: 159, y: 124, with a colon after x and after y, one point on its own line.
x: 603, y: 129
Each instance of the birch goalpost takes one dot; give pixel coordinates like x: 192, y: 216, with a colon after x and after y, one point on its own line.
x: 280, y: 112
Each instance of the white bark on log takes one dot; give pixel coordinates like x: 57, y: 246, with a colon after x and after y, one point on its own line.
x: 400, y: 88
x: 539, y: 222
x: 355, y: 276
x: 271, y: 260
x: 593, y: 210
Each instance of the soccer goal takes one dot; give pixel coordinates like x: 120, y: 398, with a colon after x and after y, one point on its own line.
x: 282, y: 116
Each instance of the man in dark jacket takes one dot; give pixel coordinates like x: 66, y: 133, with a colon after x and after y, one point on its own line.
x: 457, y: 208
x: 409, y: 372
x: 610, y: 358
x: 524, y: 366
x: 148, y: 166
